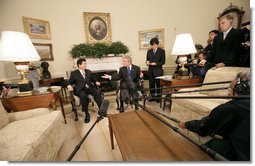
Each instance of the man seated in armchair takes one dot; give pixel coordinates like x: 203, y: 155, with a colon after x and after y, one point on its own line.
x: 85, y: 83
x: 129, y: 76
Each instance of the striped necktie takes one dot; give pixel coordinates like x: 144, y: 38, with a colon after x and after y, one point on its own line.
x: 83, y: 74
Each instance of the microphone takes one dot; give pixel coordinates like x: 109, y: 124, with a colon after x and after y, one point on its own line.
x: 124, y: 95
x: 130, y: 83
x: 103, y: 111
x: 132, y: 88
x: 104, y: 108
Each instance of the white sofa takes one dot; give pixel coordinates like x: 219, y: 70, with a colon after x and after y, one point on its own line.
x: 32, y: 135
x: 189, y: 109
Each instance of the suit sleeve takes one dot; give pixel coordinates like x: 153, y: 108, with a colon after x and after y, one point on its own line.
x: 161, y: 61
x: 71, y: 80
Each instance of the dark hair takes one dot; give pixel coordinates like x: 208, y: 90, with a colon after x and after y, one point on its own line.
x: 214, y: 31
x: 154, y: 41
x: 80, y: 60
x: 199, y: 46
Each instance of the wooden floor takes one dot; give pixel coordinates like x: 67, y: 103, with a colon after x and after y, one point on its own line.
x: 96, y: 146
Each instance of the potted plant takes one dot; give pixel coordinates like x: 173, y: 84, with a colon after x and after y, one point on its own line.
x: 82, y: 50
x: 98, y: 50
x: 117, y: 48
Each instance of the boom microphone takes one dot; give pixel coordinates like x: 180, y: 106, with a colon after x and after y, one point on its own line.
x: 102, y: 111
x: 104, y: 108
x: 130, y: 83
x: 203, y: 147
x: 124, y: 95
x: 132, y: 88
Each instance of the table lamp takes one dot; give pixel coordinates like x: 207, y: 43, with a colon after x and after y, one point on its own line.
x: 183, y: 46
x: 18, y: 48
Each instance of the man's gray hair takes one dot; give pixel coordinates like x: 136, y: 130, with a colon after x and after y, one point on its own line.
x: 128, y: 57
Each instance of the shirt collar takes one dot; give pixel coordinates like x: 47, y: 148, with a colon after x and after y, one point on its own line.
x: 81, y: 71
x: 227, y: 31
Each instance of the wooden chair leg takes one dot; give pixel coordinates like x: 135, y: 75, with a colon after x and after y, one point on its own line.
x: 118, y: 104
x: 74, y: 109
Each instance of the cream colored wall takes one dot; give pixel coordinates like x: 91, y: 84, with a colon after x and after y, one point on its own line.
x: 128, y: 17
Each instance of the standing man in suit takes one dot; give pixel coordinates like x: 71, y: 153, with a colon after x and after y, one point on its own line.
x: 85, y: 84
x: 155, y: 60
x: 128, y: 74
x: 226, y: 48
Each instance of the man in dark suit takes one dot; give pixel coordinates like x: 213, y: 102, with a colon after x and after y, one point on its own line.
x: 155, y: 60
x: 85, y: 84
x: 128, y: 74
x: 226, y: 48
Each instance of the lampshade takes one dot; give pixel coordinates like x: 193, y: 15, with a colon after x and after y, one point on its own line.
x: 17, y: 47
x: 183, y: 45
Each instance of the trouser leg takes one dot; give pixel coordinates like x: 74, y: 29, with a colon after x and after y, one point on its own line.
x: 84, y: 100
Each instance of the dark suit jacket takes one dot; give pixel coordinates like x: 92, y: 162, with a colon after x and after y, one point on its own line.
x: 226, y: 51
x: 77, y: 79
x: 159, y: 59
x: 123, y: 75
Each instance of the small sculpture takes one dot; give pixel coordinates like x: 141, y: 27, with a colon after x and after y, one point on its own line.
x: 45, y: 73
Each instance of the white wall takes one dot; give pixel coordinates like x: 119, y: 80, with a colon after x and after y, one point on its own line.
x: 128, y: 17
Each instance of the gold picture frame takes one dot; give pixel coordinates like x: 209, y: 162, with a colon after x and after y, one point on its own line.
x: 147, y: 35
x: 36, y: 28
x: 45, y: 51
x: 97, y: 27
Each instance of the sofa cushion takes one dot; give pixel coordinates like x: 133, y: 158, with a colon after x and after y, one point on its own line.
x: 37, y: 138
x: 200, y: 106
x: 15, y: 116
x: 4, y: 120
x: 218, y: 75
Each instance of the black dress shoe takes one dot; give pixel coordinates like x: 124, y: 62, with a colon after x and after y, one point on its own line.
x: 157, y: 100
x: 87, y: 118
x: 150, y: 100
x: 121, y: 110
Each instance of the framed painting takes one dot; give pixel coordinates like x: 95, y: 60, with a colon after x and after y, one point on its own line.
x: 97, y: 27
x: 35, y: 28
x: 147, y: 35
x: 45, y: 51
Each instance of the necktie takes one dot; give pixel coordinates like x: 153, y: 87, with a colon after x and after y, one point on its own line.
x: 129, y: 71
x: 224, y: 35
x: 83, y: 74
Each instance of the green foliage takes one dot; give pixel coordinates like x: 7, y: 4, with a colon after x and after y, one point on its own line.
x: 117, y: 48
x: 98, y: 50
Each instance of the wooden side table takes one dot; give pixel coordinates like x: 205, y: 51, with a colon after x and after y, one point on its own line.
x: 46, y: 99
x: 176, y: 82
x: 55, y: 81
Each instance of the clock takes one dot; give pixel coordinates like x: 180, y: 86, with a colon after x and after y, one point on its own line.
x: 236, y: 13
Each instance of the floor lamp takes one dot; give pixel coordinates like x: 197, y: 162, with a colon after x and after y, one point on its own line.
x: 18, y: 48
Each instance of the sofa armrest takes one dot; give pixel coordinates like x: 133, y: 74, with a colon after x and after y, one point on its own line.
x: 15, y: 116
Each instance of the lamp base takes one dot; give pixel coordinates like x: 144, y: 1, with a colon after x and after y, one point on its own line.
x: 25, y: 87
x: 183, y: 74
